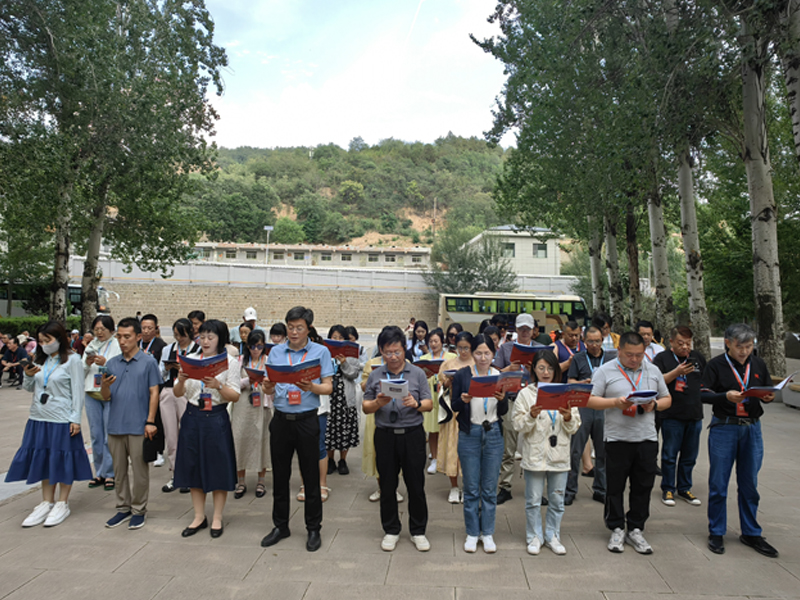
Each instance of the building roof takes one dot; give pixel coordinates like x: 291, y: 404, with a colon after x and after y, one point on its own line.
x: 315, y: 248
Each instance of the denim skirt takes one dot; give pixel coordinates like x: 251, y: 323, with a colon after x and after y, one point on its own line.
x: 49, y: 452
x: 205, y: 458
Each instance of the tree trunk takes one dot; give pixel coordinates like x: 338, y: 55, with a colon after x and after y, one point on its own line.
x: 595, y: 247
x: 665, y: 315
x: 632, y: 247
x: 694, y: 261
x: 789, y: 51
x: 766, y: 272
x: 91, y: 276
x: 9, y: 298
x: 614, y: 281
x: 58, y: 296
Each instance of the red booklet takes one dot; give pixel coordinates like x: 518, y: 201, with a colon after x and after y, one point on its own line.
x: 338, y: 348
x: 431, y: 366
x: 551, y: 396
x: 310, y: 370
x: 255, y: 376
x: 200, y: 368
x: 524, y: 354
x: 760, y: 392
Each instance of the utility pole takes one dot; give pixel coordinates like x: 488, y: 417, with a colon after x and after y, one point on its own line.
x: 433, y: 227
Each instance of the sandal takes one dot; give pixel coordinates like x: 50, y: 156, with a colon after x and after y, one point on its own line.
x: 261, y: 490
x: 97, y: 482
x: 301, y: 496
x: 240, y: 491
x: 108, y: 485
x: 324, y: 492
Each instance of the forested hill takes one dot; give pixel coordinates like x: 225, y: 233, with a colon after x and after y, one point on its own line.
x: 365, y: 194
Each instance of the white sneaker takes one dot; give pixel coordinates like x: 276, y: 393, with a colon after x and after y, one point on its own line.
x: 159, y: 461
x: 421, y: 542
x: 471, y: 545
x: 636, y: 539
x: 535, y: 546
x: 57, y: 515
x: 375, y: 496
x: 39, y: 514
x: 488, y: 544
x: 556, y: 546
x: 432, y: 467
x: 617, y: 541
x: 389, y: 542
x: 455, y: 496
x: 400, y: 497
x: 517, y: 456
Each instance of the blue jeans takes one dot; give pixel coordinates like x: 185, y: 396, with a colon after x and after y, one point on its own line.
x: 534, y: 488
x: 481, y: 453
x: 744, y: 445
x: 97, y: 414
x: 679, y: 437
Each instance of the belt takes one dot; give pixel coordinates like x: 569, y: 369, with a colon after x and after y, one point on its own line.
x: 735, y: 421
x: 400, y: 430
x: 296, y: 416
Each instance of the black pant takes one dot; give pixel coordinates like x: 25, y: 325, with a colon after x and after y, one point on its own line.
x: 394, y: 452
x: 286, y: 437
x: 634, y: 463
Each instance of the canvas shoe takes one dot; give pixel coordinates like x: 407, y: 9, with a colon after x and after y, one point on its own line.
x: 636, y: 539
x: 39, y: 514
x: 455, y: 496
x: 159, y: 461
x: 375, y: 496
x: 137, y: 522
x: 400, y: 497
x: 432, y: 467
x: 57, y: 515
x: 668, y: 498
x: 535, y: 546
x: 556, y: 546
x: 421, y: 542
x: 617, y: 541
x: 118, y: 519
x: 689, y: 497
x: 488, y: 544
x: 471, y: 544
x: 389, y: 542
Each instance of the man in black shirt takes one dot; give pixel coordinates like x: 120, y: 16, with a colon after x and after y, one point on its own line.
x: 682, y: 422
x: 581, y: 370
x: 735, y: 436
x: 151, y: 343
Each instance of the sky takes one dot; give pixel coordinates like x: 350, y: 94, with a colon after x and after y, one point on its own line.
x: 310, y: 72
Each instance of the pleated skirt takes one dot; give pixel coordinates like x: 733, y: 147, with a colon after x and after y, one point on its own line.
x: 49, y: 452
x: 206, y: 457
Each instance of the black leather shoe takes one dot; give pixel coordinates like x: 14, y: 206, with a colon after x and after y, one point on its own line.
x: 314, y: 541
x: 716, y: 544
x: 545, y: 501
x: 589, y: 473
x: 331, y: 466
x: 274, y: 536
x: 190, y: 531
x: 759, y: 544
x: 598, y: 497
x: 240, y: 491
x: 502, y: 496
x: 185, y: 490
x: 343, y: 468
x: 568, y: 500
x: 215, y: 533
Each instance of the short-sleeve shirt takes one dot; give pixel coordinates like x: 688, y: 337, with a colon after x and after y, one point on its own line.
x: 15, y: 356
x: 584, y: 365
x: 130, y: 393
x: 503, y: 357
x: 563, y: 353
x: 231, y: 378
x: 686, y: 405
x: 283, y: 355
x: 609, y: 382
x: 417, y: 386
x: 718, y: 377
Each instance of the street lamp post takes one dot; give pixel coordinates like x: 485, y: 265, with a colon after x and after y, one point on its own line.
x: 268, y: 229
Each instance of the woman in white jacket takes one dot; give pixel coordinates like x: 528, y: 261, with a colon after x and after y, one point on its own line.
x: 545, y: 455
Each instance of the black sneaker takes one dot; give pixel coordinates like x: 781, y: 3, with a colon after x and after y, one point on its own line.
x: 715, y: 544
x: 759, y: 544
x: 343, y: 470
x: 503, y: 495
x: 331, y: 466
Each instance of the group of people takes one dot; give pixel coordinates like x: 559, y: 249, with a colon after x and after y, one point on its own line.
x: 139, y: 401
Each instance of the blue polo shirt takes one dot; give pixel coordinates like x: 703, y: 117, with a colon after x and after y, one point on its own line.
x: 280, y: 355
x: 130, y: 393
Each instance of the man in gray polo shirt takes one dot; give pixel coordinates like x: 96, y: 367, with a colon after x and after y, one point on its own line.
x: 399, y: 439
x: 631, y: 441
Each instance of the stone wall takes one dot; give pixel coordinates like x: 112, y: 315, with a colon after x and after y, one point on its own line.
x: 364, y: 309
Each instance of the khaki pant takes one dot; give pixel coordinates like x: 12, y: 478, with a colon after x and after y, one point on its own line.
x: 123, y: 447
x: 510, y: 437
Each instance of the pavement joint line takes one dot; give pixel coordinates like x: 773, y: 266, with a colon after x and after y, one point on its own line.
x: 41, y: 571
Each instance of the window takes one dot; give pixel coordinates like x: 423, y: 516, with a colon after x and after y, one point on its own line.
x: 230, y: 253
x: 347, y: 258
x: 373, y: 258
x: 251, y: 255
x: 416, y: 258
x: 326, y: 257
x: 277, y: 256
x: 390, y: 258
x: 540, y: 251
x: 299, y: 256
x: 509, y: 250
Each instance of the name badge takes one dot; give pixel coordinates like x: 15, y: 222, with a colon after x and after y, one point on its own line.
x: 295, y: 397
x: 630, y: 411
x: 205, y: 401
x: 741, y: 410
x: 98, y: 379
x: 255, y: 399
x: 680, y: 385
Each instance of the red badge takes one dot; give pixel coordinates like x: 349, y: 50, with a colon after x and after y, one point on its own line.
x: 205, y: 401
x: 741, y: 410
x: 680, y: 385
x: 295, y: 397
x: 256, y: 398
x: 630, y: 411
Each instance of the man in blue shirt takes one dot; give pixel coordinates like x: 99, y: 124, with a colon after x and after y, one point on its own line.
x: 131, y: 388
x: 295, y: 428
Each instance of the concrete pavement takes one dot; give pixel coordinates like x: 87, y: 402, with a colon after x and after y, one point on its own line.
x: 82, y: 559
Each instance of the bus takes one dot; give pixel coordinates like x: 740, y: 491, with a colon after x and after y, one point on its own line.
x: 36, y: 297
x: 551, y: 310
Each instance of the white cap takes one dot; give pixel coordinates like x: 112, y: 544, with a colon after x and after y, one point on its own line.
x: 525, y: 320
x: 250, y: 314
x: 75, y: 331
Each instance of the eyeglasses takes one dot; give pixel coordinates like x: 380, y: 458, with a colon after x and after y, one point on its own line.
x: 544, y: 369
x: 397, y: 354
x: 593, y: 342
x: 298, y: 329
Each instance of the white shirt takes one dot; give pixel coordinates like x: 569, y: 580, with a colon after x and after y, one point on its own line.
x: 477, y: 414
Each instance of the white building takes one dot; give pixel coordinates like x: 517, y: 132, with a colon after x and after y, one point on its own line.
x: 530, y: 251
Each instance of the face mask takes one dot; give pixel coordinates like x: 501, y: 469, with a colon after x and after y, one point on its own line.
x: 50, y: 348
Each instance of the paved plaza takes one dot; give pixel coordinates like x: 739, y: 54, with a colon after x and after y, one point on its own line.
x: 81, y: 559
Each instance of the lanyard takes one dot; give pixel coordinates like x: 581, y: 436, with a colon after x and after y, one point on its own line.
x: 567, y: 348
x: 442, y: 356
x: 289, y: 356
x: 259, y: 365
x: 635, y: 386
x: 46, y: 373
x: 389, y: 375
x: 108, y: 347
x: 552, y: 414
x: 678, y: 360
x: 589, y: 360
x: 743, y: 384
x: 141, y: 345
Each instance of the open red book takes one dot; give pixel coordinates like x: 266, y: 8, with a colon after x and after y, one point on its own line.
x: 551, y: 396
x: 524, y: 355
x: 309, y: 370
x: 339, y: 348
x: 200, y: 368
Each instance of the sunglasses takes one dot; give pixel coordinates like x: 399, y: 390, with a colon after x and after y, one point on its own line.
x: 257, y: 347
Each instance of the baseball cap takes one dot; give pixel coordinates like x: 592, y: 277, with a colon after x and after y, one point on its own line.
x: 525, y: 320
x: 75, y: 331
x: 250, y: 314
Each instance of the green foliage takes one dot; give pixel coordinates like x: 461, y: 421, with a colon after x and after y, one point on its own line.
x: 236, y: 208
x: 287, y: 231
x: 16, y: 325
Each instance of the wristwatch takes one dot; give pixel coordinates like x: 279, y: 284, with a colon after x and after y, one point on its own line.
x: 419, y: 403
x: 655, y: 405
